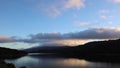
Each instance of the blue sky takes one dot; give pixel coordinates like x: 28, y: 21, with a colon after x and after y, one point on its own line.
x: 22, y: 18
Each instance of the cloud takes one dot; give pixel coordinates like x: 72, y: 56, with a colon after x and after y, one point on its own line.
x: 58, y: 39
x: 105, y: 14
x: 70, y: 42
x: 116, y: 1
x: 97, y: 33
x: 56, y: 8
x: 4, y: 39
x: 110, y: 22
x: 103, y: 17
x: 81, y: 24
x: 74, y: 4
x: 93, y: 33
x: 104, y: 11
x: 47, y: 36
x: 53, y: 11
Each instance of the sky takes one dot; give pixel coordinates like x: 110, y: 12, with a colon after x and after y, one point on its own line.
x: 29, y: 23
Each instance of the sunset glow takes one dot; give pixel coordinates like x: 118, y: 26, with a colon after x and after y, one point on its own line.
x: 70, y: 42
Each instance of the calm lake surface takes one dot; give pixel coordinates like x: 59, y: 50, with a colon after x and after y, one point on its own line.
x: 36, y: 61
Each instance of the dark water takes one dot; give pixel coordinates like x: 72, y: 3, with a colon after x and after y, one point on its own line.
x: 55, y: 62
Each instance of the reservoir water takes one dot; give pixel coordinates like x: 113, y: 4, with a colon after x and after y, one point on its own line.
x: 33, y: 61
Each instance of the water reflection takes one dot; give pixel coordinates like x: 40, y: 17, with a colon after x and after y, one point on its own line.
x: 41, y: 62
x: 75, y: 62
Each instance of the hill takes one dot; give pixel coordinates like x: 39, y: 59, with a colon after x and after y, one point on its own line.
x: 6, y: 53
x: 96, y: 47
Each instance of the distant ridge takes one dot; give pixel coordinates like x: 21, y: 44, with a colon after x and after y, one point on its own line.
x: 96, y: 47
x: 101, y: 51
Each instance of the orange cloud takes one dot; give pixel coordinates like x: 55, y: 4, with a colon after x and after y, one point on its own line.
x: 116, y: 1
x: 70, y: 42
x: 74, y: 4
x: 4, y: 39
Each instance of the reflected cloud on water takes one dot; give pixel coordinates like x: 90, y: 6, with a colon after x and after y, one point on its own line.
x: 41, y: 62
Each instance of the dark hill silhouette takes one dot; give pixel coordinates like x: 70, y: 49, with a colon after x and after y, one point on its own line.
x: 97, y: 47
x: 105, y: 51
x: 45, y: 49
x: 6, y: 53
